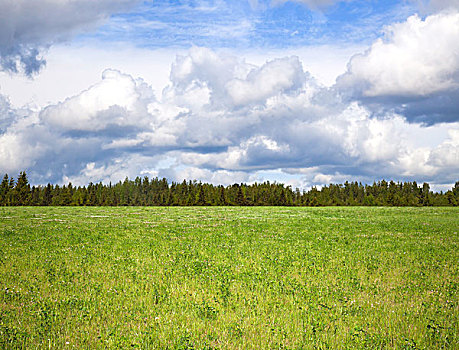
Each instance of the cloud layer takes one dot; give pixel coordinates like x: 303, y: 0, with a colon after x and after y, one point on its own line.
x: 214, y: 123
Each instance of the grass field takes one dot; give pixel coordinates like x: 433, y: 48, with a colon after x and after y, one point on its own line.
x: 229, y: 278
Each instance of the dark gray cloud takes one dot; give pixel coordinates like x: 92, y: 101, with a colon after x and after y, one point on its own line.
x: 440, y: 107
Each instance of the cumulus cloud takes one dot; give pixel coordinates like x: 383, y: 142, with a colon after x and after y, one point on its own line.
x: 117, y: 100
x: 276, y: 77
x: 208, y: 78
x: 446, y: 155
x: 20, y: 144
x: 29, y: 26
x: 213, y: 123
x: 413, y: 70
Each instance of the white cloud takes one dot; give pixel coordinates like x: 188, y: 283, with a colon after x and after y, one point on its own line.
x: 417, y: 58
x: 275, y: 77
x: 414, y: 70
x: 14, y: 144
x: 28, y: 26
x: 20, y: 140
x: 446, y: 155
x: 203, y: 72
x: 116, y: 100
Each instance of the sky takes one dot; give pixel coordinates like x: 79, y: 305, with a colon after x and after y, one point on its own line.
x: 303, y: 92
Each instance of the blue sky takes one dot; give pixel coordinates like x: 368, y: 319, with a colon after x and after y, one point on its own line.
x: 259, y: 25
x: 305, y: 92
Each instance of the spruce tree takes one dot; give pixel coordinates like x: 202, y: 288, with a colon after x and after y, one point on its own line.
x: 240, y: 196
x: 22, y: 190
x: 4, y: 189
x: 222, y: 200
x: 201, y: 197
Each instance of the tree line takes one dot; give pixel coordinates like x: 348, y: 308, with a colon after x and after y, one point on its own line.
x: 160, y: 192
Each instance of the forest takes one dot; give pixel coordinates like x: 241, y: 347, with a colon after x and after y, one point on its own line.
x: 161, y: 192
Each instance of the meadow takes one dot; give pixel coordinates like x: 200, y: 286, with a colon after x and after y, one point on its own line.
x: 228, y: 278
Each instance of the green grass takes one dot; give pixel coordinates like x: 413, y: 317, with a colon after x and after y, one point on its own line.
x: 229, y: 278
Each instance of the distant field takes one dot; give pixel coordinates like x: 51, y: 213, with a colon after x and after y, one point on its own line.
x: 229, y: 278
